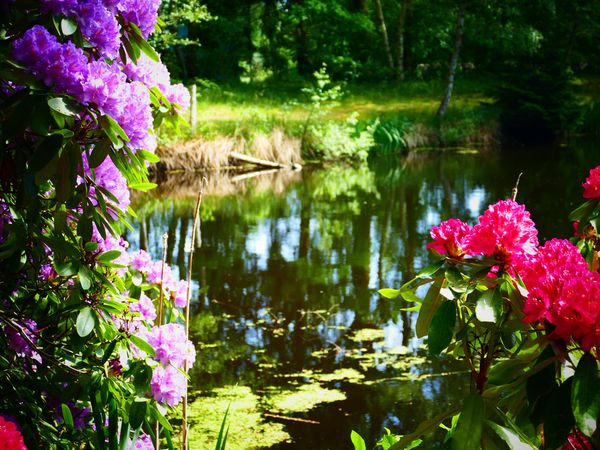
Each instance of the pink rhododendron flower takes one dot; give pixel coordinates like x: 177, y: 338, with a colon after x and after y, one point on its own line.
x: 450, y: 237
x: 563, y: 292
x: 10, y: 436
x: 506, y: 232
x: 591, y: 186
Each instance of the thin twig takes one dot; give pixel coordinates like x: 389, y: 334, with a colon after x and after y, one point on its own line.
x: 195, y: 226
x: 162, y: 280
x: 291, y: 419
x: 516, y: 188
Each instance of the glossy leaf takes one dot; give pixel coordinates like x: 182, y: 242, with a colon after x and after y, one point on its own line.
x: 86, y: 321
x: 441, y: 329
x: 67, y: 415
x: 357, y: 441
x: 430, y: 305
x: 431, y: 269
x: 142, y: 345
x: 137, y: 413
x: 489, y: 306
x: 585, y: 395
x: 470, y: 424
x: 511, y: 438
x: 389, y: 293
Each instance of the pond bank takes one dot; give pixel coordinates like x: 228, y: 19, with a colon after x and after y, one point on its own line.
x: 284, y: 127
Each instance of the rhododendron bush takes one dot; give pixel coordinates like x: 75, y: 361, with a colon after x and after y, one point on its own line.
x: 525, y: 319
x: 93, y: 349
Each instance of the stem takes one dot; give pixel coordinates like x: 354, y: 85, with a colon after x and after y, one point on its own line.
x: 184, y: 425
x: 162, y: 279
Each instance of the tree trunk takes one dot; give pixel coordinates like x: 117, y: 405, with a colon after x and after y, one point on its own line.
x: 384, y: 34
x: 400, y: 45
x: 460, y: 27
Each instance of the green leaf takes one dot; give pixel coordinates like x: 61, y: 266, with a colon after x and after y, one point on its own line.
x: 63, y: 106
x: 557, y: 415
x: 90, y: 246
x: 113, y: 124
x: 68, y: 26
x: 389, y: 293
x: 142, y: 344
x: 357, y: 441
x: 430, y: 305
x: 585, y: 395
x: 470, y: 423
x: 423, y: 428
x: 148, y: 156
x: 137, y: 413
x: 441, y: 329
x: 431, y: 270
x: 489, y: 306
x: 85, y: 277
x: 67, y: 416
x: 67, y: 268
x: 223, y: 433
x: 45, y: 152
x: 510, y: 437
x: 583, y: 211
x: 86, y: 321
x: 409, y: 296
x: 144, y: 187
x: 108, y: 256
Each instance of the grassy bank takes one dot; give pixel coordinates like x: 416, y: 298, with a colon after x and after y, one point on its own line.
x: 282, y: 123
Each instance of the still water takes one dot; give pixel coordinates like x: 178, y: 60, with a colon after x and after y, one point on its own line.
x: 290, y: 330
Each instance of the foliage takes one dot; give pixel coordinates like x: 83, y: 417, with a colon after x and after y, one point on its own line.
x: 523, y: 318
x: 93, y: 348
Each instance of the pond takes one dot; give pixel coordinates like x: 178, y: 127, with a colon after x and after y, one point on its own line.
x: 291, y: 333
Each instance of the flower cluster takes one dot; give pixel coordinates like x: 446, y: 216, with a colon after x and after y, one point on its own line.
x: 19, y: 343
x: 157, y: 274
x: 144, y: 442
x: 10, y: 436
x: 155, y: 74
x: 591, y: 186
x: 98, y: 22
x: 505, y: 231
x: 65, y: 67
x: 563, y: 292
x: 173, y: 350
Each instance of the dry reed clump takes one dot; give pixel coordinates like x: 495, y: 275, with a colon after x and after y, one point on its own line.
x: 186, y: 185
x: 276, y: 147
x: 200, y: 154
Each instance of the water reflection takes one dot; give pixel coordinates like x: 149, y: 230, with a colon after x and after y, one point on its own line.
x: 289, y: 265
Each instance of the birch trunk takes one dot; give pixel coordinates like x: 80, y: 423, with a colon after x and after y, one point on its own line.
x: 460, y: 27
x: 400, y: 44
x: 384, y: 34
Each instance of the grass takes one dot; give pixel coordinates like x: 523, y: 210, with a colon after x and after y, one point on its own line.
x: 240, y: 110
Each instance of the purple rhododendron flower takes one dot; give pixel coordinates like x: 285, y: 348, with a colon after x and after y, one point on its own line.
x: 143, y: 13
x: 66, y: 68
x: 171, y: 345
x: 144, y: 306
x: 168, y: 385
x: 99, y: 26
x: 144, y: 442
x: 110, y: 178
x: 18, y: 343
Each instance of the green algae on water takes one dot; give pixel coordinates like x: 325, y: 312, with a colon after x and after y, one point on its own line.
x: 247, y: 429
